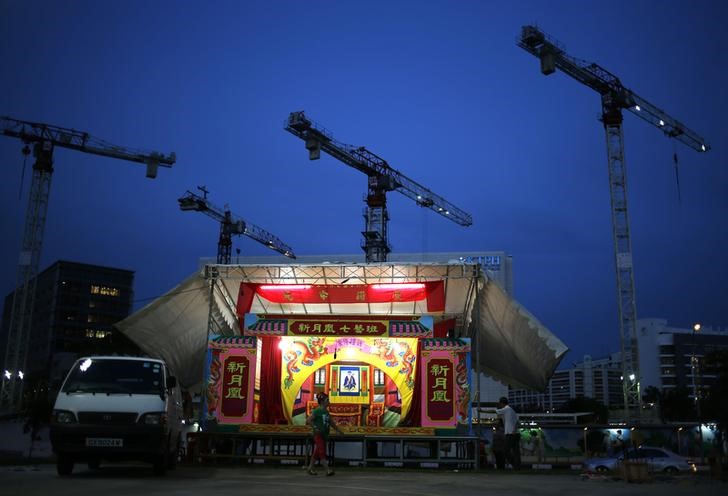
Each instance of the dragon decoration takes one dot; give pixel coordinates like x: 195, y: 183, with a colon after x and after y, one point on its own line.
x: 385, y: 350
x: 213, y: 381
x: 463, y: 388
x: 307, y: 352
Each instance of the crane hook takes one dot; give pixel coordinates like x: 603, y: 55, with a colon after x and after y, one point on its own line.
x: 677, y: 177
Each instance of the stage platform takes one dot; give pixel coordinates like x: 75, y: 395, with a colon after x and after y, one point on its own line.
x: 411, y: 447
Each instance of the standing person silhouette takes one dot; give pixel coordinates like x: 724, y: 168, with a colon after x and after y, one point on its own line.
x: 510, y: 427
x: 320, y: 421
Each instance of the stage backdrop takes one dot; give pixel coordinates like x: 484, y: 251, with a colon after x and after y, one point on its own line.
x: 302, y: 356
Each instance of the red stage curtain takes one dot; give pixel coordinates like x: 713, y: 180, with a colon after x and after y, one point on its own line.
x: 414, y: 416
x: 271, y: 408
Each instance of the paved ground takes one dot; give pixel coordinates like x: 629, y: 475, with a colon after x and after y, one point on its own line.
x: 123, y: 479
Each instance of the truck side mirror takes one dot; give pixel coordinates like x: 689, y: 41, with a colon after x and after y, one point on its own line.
x: 171, y: 382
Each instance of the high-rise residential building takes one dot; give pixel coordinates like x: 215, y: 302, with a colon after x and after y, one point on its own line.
x: 76, y: 305
x: 669, y: 357
x: 598, y: 379
x: 673, y: 357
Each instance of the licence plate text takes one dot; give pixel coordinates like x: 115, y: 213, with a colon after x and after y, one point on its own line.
x: 104, y: 442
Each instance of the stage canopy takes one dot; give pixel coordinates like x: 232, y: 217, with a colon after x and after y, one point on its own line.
x: 510, y: 344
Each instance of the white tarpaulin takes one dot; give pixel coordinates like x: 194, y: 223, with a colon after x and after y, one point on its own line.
x: 512, y: 345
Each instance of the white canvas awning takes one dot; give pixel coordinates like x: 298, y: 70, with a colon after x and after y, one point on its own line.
x: 512, y: 345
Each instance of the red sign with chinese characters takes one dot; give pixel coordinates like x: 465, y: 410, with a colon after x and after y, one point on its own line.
x: 234, y: 397
x: 439, y: 390
x: 433, y: 292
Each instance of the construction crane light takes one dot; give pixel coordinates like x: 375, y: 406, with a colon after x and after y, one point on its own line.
x: 637, y: 108
x: 662, y: 123
x: 447, y: 212
x: 702, y: 147
x: 8, y: 374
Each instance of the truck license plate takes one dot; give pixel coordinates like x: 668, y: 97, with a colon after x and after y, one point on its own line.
x: 104, y: 442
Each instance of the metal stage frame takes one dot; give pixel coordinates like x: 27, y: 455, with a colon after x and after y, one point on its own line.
x: 352, y: 449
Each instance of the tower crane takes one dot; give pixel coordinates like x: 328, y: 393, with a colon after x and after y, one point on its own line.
x: 615, y: 97
x: 381, y: 179
x: 44, y: 138
x: 230, y: 224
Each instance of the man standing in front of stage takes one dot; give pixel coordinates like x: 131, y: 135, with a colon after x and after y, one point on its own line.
x: 321, y: 422
x: 513, y: 438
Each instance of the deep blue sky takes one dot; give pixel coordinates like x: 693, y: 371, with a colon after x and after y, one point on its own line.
x: 439, y: 89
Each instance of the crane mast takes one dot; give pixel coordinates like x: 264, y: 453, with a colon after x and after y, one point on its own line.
x: 381, y: 179
x: 44, y: 138
x: 229, y: 225
x: 614, y: 98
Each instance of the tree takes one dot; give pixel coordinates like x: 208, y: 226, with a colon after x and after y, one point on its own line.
x: 653, y: 396
x: 677, y: 405
x: 715, y: 401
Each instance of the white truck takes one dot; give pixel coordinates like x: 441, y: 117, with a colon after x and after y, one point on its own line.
x: 114, y: 408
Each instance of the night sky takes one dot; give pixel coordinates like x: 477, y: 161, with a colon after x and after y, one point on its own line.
x: 437, y: 88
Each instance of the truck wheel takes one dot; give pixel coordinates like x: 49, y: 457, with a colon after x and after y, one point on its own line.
x: 64, y: 464
x: 160, y: 463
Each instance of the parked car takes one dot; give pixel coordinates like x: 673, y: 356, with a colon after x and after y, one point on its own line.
x: 657, y: 459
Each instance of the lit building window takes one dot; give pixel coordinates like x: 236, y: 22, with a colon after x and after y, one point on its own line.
x: 104, y: 290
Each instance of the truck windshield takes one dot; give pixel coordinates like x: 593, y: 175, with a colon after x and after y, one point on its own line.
x: 115, y: 376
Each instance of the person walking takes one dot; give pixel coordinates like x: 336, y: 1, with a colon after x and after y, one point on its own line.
x: 499, y: 445
x: 320, y: 421
x: 510, y: 427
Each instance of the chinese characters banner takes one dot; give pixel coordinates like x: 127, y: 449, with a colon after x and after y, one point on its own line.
x: 438, y: 389
x: 236, y: 387
x: 339, y: 325
x: 433, y: 292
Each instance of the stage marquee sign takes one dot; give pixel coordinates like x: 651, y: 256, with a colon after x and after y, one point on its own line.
x: 339, y: 325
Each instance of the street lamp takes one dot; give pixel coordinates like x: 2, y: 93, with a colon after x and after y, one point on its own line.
x: 679, y: 429
x: 693, y: 370
x: 696, y: 384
